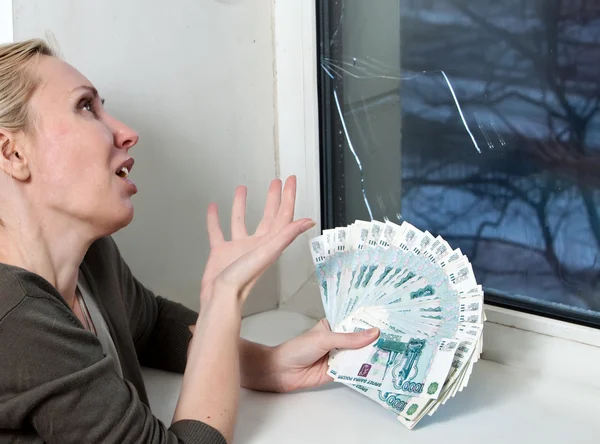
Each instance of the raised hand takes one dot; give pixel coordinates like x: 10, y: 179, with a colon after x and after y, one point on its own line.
x: 211, y: 382
x: 278, y: 215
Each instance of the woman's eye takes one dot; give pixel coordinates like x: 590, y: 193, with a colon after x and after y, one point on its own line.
x: 87, y: 105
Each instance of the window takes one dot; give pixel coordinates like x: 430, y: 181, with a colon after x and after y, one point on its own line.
x: 478, y: 120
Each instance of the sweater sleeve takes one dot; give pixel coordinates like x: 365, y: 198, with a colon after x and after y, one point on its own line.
x: 159, y: 326
x: 60, y: 383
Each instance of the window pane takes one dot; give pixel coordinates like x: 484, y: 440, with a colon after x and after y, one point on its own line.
x: 478, y: 121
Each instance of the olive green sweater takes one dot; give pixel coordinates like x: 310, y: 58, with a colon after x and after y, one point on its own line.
x: 56, y: 383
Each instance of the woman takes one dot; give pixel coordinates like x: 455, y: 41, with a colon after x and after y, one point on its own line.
x: 76, y: 325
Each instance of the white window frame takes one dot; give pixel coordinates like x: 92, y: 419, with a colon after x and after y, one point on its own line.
x: 6, y: 21
x: 511, y: 337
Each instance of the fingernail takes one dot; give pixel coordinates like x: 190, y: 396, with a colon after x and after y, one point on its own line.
x: 371, y: 331
x: 308, y: 224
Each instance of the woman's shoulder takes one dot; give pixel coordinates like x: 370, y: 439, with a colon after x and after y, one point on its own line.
x: 18, y: 284
x: 21, y: 288
x: 35, y: 318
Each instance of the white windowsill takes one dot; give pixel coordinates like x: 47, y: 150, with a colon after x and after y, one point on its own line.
x: 544, y: 326
x: 501, y: 404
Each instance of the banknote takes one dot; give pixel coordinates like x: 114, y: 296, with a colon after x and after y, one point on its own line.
x: 420, y: 293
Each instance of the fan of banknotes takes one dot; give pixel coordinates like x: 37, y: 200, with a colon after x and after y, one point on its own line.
x: 424, y: 298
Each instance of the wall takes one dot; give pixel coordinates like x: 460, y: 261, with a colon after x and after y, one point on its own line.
x: 196, y: 80
x: 6, y: 29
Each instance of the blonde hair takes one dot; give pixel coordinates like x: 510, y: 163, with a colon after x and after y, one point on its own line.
x: 18, y: 82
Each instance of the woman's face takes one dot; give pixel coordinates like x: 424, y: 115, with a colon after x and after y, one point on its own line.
x: 78, y: 154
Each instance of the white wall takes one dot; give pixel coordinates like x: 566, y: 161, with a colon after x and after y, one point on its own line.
x: 196, y: 79
x: 6, y: 25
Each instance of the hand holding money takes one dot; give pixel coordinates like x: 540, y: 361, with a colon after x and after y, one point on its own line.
x: 420, y: 294
x: 301, y: 362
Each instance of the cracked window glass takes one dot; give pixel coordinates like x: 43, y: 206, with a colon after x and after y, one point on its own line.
x: 480, y: 122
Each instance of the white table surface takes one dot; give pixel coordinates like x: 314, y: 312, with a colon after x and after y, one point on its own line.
x: 500, y: 405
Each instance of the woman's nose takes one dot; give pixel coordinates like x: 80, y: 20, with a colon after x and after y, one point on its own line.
x: 125, y: 137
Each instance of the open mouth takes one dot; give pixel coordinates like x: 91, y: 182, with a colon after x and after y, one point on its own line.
x: 123, y: 172
x: 125, y: 168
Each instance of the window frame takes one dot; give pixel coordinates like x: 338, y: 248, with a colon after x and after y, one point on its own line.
x: 298, y: 136
x: 6, y: 21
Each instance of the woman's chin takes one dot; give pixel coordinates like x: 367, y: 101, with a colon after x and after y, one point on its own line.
x: 118, y: 220
x: 126, y: 216
x: 127, y: 220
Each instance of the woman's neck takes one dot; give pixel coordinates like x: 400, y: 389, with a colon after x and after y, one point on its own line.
x: 48, y: 247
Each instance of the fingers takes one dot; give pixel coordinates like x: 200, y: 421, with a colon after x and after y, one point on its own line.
x: 280, y: 206
x: 288, y: 204
x: 271, y: 207
x: 350, y: 340
x: 238, y: 214
x: 253, y: 264
x: 215, y: 234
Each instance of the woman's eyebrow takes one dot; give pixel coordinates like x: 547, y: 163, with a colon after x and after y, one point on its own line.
x: 91, y: 89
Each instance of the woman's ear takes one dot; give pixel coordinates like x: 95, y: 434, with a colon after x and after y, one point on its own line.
x: 13, y: 161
